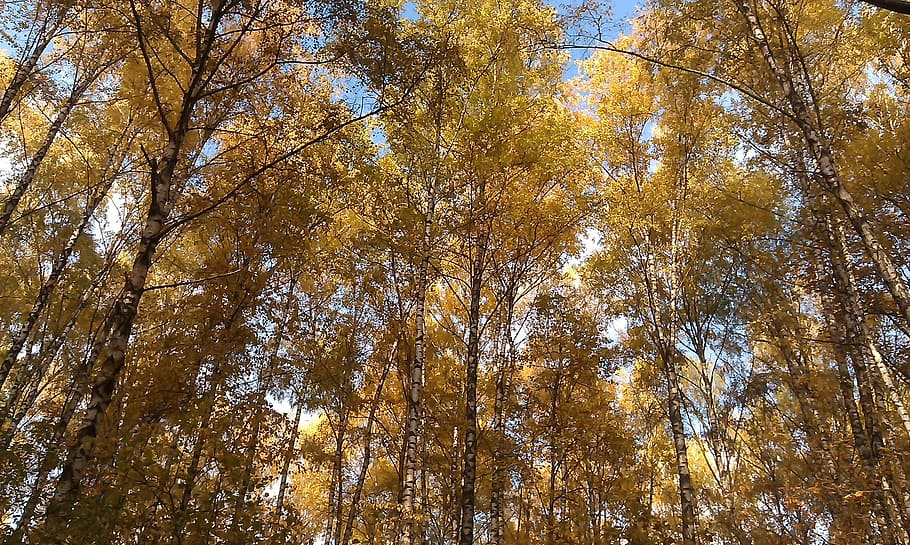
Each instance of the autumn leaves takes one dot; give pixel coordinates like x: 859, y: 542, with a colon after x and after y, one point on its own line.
x: 363, y: 216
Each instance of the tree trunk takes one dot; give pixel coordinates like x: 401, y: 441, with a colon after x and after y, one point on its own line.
x: 554, y: 461
x: 285, y: 467
x: 503, y: 383
x: 24, y: 180
x: 686, y: 491
x: 13, y: 411
x: 58, y: 268
x: 469, y: 469
x: 335, y: 485
x: 860, y: 339
x: 80, y: 454
x: 843, y: 327
x: 367, y: 445
x: 192, y: 471
x: 163, y: 194
x: 44, y: 295
x: 807, y: 400
x: 339, y: 518
x: 817, y: 145
x: 412, y: 432
x: 454, y: 509
x: 161, y: 202
x: 251, y: 449
x: 888, y: 382
x: 846, y: 279
x: 497, y: 516
x: 71, y: 403
x: 50, y: 26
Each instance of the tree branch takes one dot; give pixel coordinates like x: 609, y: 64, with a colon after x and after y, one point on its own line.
x: 896, y: 6
x: 191, y: 282
x: 723, y: 81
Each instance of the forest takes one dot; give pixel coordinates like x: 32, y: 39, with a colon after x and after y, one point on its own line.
x: 454, y: 272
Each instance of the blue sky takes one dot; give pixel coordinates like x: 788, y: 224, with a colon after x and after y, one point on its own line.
x: 618, y: 22
x: 623, y: 9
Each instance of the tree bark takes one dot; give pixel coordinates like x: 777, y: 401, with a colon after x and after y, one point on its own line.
x: 818, y: 147
x: 50, y: 26
x: 554, y: 462
x: 367, y: 451
x: 73, y: 398
x: 862, y: 346
x: 846, y: 279
x: 164, y: 192
x: 125, y: 309
x: 844, y: 327
x: 16, y: 411
x: 44, y: 295
x: 412, y: 433
x: 503, y: 382
x: 686, y: 491
x: 286, y: 464
x: 24, y: 180
x: 189, y: 483
x: 247, y: 476
x: 335, y: 485
x: 469, y: 469
x: 807, y: 400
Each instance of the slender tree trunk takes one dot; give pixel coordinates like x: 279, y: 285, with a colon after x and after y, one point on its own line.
x: 663, y: 308
x: 339, y: 511
x: 503, y: 383
x: 74, y: 397
x: 469, y: 469
x: 44, y: 295
x: 412, y: 432
x: 807, y: 399
x: 192, y: 471
x: 497, y: 515
x: 686, y: 491
x: 24, y: 180
x: 867, y: 438
x: 31, y: 504
x: 49, y: 351
x: 554, y: 461
x: 454, y: 471
x: 50, y: 26
x: 864, y: 444
x: 847, y: 280
x: 551, y: 499
x: 860, y: 436
x: 887, y: 379
x: 817, y: 145
x: 79, y: 381
x: 80, y: 454
x: 288, y: 456
x: 13, y: 411
x: 335, y: 486
x: 367, y: 446
x: 47, y: 289
x: 246, y: 479
x: 860, y: 339
x: 425, y: 506
x: 163, y: 194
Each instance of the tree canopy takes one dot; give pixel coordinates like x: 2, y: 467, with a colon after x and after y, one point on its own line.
x: 483, y: 272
